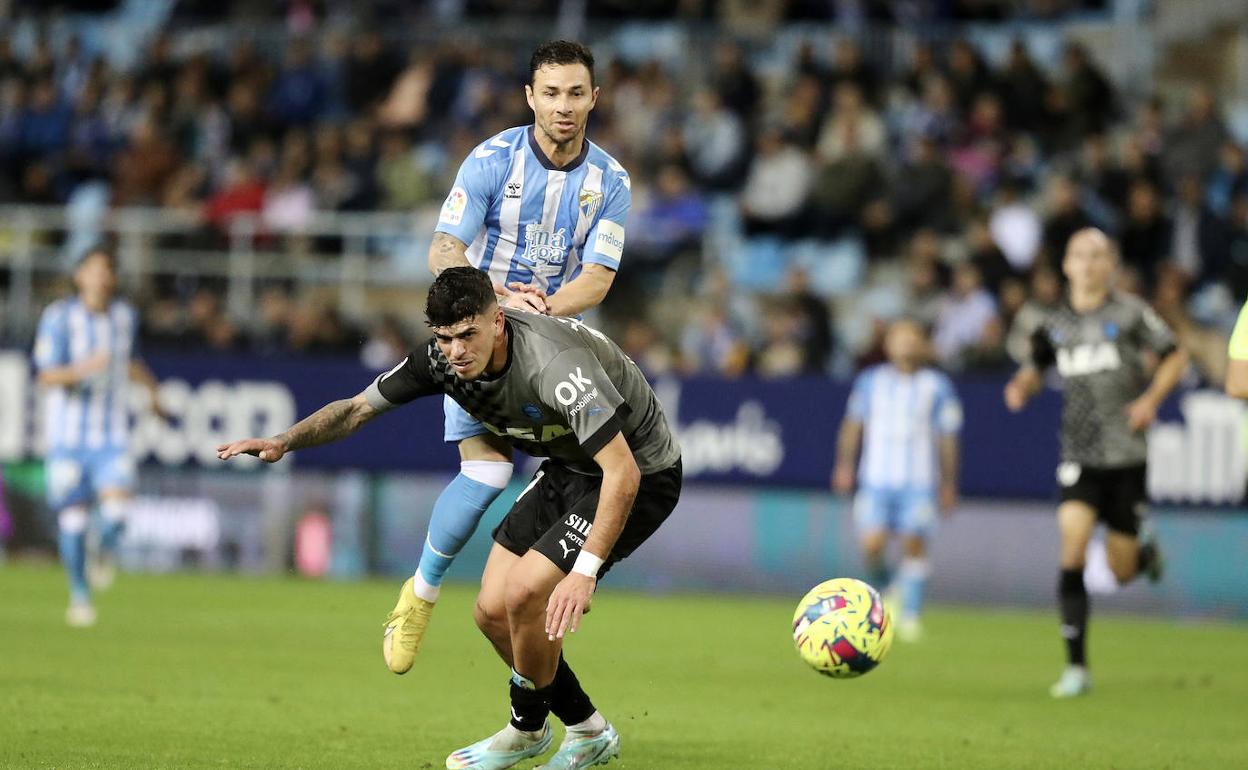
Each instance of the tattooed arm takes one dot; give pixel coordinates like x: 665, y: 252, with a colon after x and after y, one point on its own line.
x: 447, y: 251
x: 335, y: 420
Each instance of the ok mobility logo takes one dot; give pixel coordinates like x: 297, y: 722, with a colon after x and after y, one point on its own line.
x: 576, y: 391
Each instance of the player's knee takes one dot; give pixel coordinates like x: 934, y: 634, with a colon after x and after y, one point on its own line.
x: 1124, y: 569
x: 524, y: 598
x: 72, y: 521
x: 491, y: 618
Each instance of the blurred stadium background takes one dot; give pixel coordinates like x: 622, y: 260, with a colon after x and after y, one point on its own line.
x: 803, y: 171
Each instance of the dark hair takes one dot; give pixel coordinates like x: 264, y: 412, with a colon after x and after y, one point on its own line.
x: 561, y: 52
x: 458, y: 293
x: 98, y: 250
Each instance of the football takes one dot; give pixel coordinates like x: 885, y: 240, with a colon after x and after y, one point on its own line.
x: 842, y: 628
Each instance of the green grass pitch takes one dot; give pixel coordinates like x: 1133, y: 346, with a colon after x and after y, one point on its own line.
x: 195, y: 671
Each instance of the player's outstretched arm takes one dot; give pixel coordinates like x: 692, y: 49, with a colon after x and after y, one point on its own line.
x: 447, y: 251
x: 141, y: 375
x: 335, y: 420
x: 620, y: 480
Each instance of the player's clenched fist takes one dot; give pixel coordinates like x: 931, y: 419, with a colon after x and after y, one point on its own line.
x: 266, y: 449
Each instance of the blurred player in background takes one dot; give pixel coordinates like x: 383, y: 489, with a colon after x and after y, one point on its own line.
x: 1102, y: 343
x: 556, y: 389
x: 905, y: 416
x: 1237, y: 355
x: 541, y: 209
x: 85, y: 356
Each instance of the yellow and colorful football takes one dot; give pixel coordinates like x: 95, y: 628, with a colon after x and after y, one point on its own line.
x: 842, y: 628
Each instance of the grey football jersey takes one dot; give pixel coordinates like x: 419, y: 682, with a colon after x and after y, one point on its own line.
x: 567, y: 390
x: 1100, y: 357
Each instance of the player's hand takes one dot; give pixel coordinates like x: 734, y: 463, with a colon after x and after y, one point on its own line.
x: 526, y: 301
x: 1141, y: 413
x: 267, y: 449
x: 1015, y: 395
x: 843, y: 479
x: 568, y: 602
x: 948, y: 499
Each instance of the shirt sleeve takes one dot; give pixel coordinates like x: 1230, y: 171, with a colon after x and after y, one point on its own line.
x: 463, y: 212
x: 575, y: 387
x: 605, y: 243
x: 947, y: 411
x: 856, y: 407
x: 406, y: 382
x: 1154, y: 334
x: 51, y: 340
x: 1043, y: 354
x: 1238, y: 349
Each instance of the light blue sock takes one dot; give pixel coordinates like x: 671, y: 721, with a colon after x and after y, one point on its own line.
x: 112, y: 524
x: 912, y: 577
x: 72, y: 543
x: 455, y: 517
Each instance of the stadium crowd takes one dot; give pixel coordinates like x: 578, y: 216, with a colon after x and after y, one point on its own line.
x: 798, y: 211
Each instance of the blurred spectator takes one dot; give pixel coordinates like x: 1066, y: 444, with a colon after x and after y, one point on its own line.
x: 776, y: 187
x: 641, y: 342
x: 925, y: 295
x: 1229, y: 179
x: 387, y: 343
x: 209, y: 329
x: 1015, y: 228
x: 812, y: 321
x: 1199, y: 238
x: 1046, y: 295
x: 370, y: 71
x: 1192, y: 146
x: 964, y: 315
x: 242, y: 193
x: 402, y: 181
x: 921, y: 199
x: 669, y: 223
x: 1146, y: 236
x: 299, y: 93
x: 781, y: 352
x: 144, y: 168
x: 734, y: 81
x: 988, y: 353
x: 711, y: 345
x: 715, y: 141
x: 1088, y: 95
x: 984, y: 253
x: 1065, y: 218
x: 1021, y: 87
x: 275, y: 311
x: 1237, y: 248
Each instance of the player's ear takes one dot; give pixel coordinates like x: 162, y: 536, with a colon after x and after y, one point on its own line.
x: 528, y: 95
x: 594, y: 100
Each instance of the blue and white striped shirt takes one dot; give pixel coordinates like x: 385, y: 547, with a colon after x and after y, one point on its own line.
x: 903, y: 416
x: 91, y: 415
x: 525, y: 220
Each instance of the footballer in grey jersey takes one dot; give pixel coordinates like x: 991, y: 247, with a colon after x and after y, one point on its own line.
x: 564, y: 391
x: 1101, y: 356
x: 1099, y: 341
x: 553, y: 388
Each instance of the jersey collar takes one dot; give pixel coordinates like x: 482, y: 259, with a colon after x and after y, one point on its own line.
x: 546, y: 162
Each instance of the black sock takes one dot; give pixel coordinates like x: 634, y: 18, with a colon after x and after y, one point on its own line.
x: 568, y: 701
x: 1073, y: 600
x: 529, y: 706
x: 1145, y: 557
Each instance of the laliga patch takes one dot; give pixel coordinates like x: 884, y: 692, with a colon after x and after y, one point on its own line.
x: 610, y: 240
x: 453, y: 208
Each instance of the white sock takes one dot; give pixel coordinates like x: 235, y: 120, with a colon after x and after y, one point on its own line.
x: 423, y: 590
x: 511, y: 739
x: 592, y: 726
